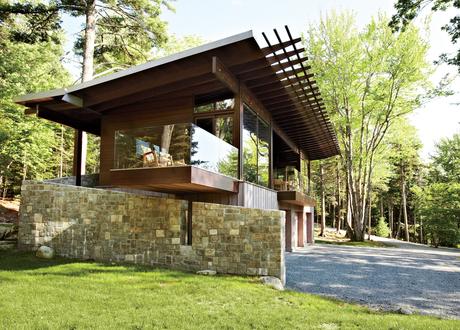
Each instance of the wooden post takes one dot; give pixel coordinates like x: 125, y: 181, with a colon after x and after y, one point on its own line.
x: 78, y: 165
x: 270, y: 160
x: 309, y: 177
x: 238, y: 131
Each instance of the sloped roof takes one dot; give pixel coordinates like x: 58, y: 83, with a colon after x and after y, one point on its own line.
x: 278, y: 75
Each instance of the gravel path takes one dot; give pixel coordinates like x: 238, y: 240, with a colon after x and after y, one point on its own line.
x: 407, y: 279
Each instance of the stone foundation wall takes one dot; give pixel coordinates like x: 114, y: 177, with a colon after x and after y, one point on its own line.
x: 87, y: 180
x: 98, y: 224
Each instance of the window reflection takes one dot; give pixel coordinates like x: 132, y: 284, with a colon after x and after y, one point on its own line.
x: 223, y: 105
x: 256, y: 148
x: 174, y: 145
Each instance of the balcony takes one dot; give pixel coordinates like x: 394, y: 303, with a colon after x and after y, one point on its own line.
x: 291, y: 187
x: 176, y: 158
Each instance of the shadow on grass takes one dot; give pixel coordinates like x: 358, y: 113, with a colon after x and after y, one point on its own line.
x: 27, y: 261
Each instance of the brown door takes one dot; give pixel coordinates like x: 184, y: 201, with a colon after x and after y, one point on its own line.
x: 300, y: 227
x: 288, y: 230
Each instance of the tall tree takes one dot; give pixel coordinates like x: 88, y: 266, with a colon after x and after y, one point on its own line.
x: 115, y: 33
x: 408, y: 10
x: 368, y: 79
x: 440, y: 198
x: 27, y: 145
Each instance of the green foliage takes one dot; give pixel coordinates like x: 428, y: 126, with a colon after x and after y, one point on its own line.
x: 28, y: 145
x: 407, y: 10
x: 382, y: 229
x: 441, y: 213
x: 65, y: 294
x: 440, y: 199
x: 127, y: 30
x: 369, y: 79
x: 446, y: 162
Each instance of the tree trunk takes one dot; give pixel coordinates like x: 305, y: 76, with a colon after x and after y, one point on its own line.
x: 390, y: 217
x: 369, y: 226
x: 61, y: 153
x: 339, y: 204
x: 382, y: 213
x: 422, y: 241
x: 398, y: 232
x: 88, y: 66
x: 323, y: 200
x: 404, y: 204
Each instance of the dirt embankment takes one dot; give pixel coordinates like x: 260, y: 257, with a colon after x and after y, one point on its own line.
x: 9, y: 211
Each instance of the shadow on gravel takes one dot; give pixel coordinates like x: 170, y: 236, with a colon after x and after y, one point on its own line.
x: 392, y: 279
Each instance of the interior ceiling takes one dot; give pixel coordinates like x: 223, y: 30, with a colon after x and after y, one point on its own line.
x: 278, y: 75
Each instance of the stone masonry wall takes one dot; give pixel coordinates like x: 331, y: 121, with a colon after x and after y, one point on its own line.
x: 97, y: 224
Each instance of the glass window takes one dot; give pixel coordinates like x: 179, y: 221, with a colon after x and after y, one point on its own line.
x: 174, y: 145
x: 224, y: 128
x: 249, y: 145
x: 256, y: 148
x: 223, y: 105
x: 263, y: 152
x: 220, y: 126
x: 206, y: 124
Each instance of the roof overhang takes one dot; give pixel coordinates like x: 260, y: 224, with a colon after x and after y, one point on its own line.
x: 276, y: 75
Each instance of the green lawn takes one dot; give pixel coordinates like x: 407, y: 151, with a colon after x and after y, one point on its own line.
x: 365, y: 243
x: 67, y: 294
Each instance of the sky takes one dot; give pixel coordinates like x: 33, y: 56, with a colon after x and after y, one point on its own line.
x: 217, y: 19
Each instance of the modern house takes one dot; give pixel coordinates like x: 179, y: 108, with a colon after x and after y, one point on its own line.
x: 229, y: 123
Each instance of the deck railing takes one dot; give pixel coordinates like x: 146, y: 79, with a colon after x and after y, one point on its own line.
x: 289, y: 179
x: 174, y: 145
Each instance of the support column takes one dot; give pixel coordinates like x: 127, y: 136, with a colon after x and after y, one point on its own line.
x: 238, y: 131
x: 300, y: 228
x: 310, y: 227
x: 288, y: 229
x: 79, y: 155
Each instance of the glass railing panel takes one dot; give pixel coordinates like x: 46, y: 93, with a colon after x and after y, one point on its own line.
x: 211, y: 153
x: 174, y: 145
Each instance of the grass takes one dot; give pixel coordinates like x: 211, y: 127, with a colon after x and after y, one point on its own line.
x: 331, y: 236
x: 366, y: 243
x: 69, y: 294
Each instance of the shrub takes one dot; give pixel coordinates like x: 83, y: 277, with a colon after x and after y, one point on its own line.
x: 382, y: 229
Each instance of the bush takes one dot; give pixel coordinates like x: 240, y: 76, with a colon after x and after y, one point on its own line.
x: 382, y: 229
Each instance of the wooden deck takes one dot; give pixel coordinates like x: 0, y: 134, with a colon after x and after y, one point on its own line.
x: 173, y: 179
x: 295, y: 198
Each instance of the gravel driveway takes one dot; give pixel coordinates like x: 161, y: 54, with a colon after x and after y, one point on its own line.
x: 410, y: 278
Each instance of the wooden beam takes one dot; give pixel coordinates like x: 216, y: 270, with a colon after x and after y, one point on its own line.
x: 282, y: 56
x: 155, y: 92
x: 78, y: 102
x: 31, y: 111
x: 274, y: 48
x: 224, y: 75
x: 77, y: 156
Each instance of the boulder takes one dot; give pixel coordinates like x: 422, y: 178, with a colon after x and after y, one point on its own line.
x: 273, y: 282
x: 207, y: 272
x: 45, y: 252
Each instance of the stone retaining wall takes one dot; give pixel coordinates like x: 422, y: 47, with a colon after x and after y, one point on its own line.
x: 87, y: 180
x: 97, y: 224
